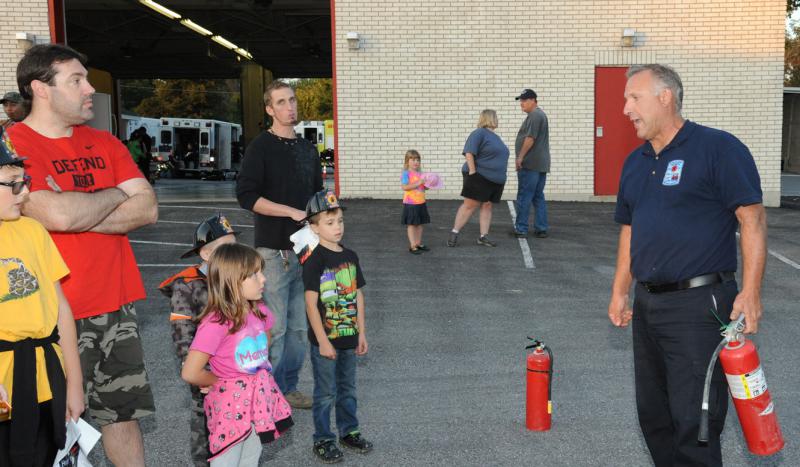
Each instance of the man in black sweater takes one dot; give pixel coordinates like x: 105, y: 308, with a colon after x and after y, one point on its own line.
x: 279, y: 174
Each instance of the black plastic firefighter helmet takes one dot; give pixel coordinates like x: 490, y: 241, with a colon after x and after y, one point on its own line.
x: 322, y: 201
x: 209, y: 230
x: 8, y: 155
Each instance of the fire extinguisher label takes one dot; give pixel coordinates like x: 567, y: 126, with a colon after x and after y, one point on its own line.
x: 747, y: 386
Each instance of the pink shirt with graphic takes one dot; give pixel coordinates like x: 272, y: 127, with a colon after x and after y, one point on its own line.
x: 243, y: 352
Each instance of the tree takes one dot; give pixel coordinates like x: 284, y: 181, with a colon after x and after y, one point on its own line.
x: 791, y: 64
x: 315, y: 98
x: 791, y: 61
x: 217, y: 99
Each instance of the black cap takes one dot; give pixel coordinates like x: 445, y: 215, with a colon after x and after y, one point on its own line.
x: 209, y: 230
x: 322, y: 201
x: 8, y: 155
x: 526, y: 94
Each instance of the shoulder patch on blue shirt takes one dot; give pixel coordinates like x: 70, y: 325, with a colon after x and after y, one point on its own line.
x: 673, y: 173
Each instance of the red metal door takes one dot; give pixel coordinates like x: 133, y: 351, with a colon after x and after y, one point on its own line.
x: 614, y: 135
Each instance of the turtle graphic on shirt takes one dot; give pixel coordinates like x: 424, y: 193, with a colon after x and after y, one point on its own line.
x: 21, y: 282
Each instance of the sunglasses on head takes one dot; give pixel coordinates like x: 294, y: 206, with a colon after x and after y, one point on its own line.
x: 16, y: 187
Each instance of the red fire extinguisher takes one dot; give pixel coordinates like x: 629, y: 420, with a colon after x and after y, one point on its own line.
x: 748, y: 388
x: 539, y: 400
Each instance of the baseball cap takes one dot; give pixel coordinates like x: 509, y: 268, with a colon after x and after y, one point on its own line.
x: 8, y: 155
x: 11, y: 96
x: 322, y: 201
x: 526, y: 94
x: 209, y: 230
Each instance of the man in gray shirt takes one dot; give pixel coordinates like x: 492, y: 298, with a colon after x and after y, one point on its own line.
x: 533, y: 162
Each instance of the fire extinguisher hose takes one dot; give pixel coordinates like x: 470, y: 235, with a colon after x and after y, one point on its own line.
x: 703, y: 433
x: 732, y: 332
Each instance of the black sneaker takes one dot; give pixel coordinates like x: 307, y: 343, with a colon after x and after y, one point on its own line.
x: 519, y: 234
x: 355, y: 442
x: 452, y: 240
x: 327, y: 451
x: 540, y: 234
x: 484, y: 240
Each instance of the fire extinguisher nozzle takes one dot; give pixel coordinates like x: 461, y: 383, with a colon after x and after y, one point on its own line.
x: 702, y: 437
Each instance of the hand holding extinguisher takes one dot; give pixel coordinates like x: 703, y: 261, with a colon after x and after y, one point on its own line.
x: 748, y: 388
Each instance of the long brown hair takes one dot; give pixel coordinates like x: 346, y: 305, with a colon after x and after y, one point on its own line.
x: 411, y: 154
x: 228, y: 267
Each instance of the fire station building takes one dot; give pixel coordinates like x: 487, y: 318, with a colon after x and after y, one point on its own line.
x: 416, y: 74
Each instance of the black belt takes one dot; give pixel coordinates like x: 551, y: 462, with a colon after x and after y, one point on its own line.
x: 699, y: 281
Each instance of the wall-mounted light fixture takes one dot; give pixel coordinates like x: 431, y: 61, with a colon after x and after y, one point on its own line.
x: 25, y: 40
x: 353, y: 41
x: 628, y: 36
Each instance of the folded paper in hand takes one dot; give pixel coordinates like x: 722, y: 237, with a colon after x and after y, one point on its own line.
x: 81, y: 438
x: 305, y: 240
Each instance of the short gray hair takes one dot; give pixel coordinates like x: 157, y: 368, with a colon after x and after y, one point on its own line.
x: 667, y: 79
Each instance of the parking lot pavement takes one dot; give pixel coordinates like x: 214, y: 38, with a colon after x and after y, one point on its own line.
x: 443, y: 383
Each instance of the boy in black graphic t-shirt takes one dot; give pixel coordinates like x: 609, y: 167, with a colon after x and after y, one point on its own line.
x: 335, y: 308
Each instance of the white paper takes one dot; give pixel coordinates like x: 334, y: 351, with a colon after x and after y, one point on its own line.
x: 86, y: 436
x: 305, y: 240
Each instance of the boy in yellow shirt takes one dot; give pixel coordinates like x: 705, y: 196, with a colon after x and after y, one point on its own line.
x: 40, y: 374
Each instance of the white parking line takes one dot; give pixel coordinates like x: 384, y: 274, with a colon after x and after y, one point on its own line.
x: 195, y: 223
x: 160, y: 243
x: 200, y: 207
x: 523, y: 243
x: 784, y: 259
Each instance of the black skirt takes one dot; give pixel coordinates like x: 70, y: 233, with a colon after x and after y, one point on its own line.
x: 415, y: 214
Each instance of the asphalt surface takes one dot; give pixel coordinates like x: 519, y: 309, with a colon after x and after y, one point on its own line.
x: 443, y: 383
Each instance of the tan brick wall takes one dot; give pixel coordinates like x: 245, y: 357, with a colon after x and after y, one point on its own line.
x: 19, y: 16
x: 426, y: 68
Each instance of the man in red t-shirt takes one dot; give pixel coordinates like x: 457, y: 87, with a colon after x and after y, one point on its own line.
x: 89, y: 194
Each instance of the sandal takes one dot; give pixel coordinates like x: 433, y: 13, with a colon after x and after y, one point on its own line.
x: 415, y: 251
x: 423, y: 247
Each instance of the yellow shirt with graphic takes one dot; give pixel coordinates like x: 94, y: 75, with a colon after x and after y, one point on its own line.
x: 30, y: 264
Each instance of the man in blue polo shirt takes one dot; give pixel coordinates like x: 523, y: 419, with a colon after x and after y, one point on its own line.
x: 682, y: 195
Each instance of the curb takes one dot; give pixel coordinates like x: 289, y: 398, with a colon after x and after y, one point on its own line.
x: 790, y: 202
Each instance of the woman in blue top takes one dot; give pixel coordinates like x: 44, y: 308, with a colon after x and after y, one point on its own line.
x: 484, y: 177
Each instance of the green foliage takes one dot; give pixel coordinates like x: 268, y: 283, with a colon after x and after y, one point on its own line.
x: 791, y: 63
x: 315, y: 98
x: 791, y: 5
x: 213, y: 98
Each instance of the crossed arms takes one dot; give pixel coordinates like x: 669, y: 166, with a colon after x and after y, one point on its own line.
x: 118, y: 210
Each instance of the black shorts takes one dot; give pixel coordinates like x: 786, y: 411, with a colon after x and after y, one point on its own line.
x: 477, y: 187
x: 415, y: 214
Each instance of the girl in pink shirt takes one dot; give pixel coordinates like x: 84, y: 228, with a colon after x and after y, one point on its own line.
x: 243, y: 405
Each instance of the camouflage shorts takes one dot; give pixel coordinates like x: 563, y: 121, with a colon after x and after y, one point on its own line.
x: 114, y: 377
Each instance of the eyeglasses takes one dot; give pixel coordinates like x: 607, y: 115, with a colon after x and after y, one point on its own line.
x: 16, y: 187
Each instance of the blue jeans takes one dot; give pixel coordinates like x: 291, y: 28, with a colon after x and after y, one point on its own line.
x: 284, y: 294
x: 334, y: 380
x: 531, y: 189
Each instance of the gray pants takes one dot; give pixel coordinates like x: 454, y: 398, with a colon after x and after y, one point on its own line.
x: 245, y: 453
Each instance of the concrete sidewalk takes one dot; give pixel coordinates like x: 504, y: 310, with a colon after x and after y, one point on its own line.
x: 443, y: 383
